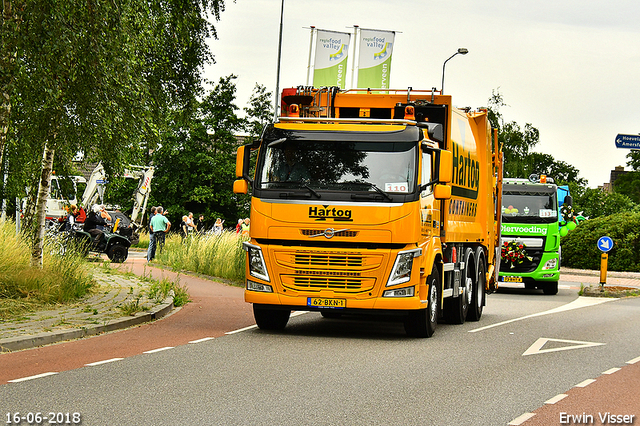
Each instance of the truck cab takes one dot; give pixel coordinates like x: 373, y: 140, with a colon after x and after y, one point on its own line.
x: 530, y: 237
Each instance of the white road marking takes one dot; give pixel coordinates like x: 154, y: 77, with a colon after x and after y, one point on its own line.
x: 536, y: 348
x: 204, y: 339
x: 523, y: 418
x: 153, y: 351
x: 37, y: 376
x: 611, y: 370
x: 580, y: 302
x: 241, y: 329
x: 584, y: 384
x: 251, y: 327
x: 633, y: 361
x: 556, y: 398
x: 106, y: 361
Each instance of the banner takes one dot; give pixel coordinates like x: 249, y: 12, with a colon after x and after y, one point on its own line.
x: 330, y: 65
x: 374, y: 59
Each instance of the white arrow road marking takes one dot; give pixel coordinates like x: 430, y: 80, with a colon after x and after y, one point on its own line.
x: 536, y: 348
x: 580, y: 302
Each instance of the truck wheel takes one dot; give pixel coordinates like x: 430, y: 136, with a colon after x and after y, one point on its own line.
x: 270, y: 319
x: 477, y: 299
x: 551, y: 288
x: 457, y: 308
x: 423, y: 322
x: 117, y: 253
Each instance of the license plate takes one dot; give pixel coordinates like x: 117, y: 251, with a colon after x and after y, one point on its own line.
x: 321, y: 302
x: 512, y: 279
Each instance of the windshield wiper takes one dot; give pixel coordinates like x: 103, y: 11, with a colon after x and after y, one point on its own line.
x: 311, y: 190
x: 297, y: 183
x: 370, y: 185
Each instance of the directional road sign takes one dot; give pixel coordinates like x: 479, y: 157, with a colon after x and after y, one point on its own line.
x: 628, y: 141
x: 605, y: 244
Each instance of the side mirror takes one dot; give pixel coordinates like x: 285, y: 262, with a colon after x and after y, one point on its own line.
x: 442, y: 192
x: 240, y: 154
x: 445, y: 168
x: 240, y: 186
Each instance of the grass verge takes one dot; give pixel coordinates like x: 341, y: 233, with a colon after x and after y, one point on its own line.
x: 62, y: 279
x: 219, y: 256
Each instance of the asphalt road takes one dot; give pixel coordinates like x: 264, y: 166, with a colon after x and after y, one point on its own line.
x: 526, y: 349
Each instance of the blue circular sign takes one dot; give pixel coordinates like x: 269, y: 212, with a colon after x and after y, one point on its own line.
x: 605, y: 244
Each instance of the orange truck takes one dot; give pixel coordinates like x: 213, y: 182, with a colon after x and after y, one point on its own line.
x: 372, y: 203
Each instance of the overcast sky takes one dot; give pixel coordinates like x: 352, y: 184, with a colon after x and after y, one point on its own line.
x: 570, y: 68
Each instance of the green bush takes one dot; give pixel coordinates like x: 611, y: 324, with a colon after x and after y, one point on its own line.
x: 579, y: 247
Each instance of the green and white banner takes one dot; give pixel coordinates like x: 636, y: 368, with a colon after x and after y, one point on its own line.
x: 374, y: 59
x: 330, y: 65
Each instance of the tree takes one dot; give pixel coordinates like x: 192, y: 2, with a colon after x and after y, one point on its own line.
x: 629, y: 183
x: 596, y: 202
x: 258, y: 112
x: 196, y: 165
x: 517, y: 143
x: 108, y: 75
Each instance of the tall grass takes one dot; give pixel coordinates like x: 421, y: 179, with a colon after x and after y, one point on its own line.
x: 62, y: 279
x: 215, y: 255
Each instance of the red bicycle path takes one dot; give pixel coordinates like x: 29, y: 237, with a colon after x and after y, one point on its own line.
x: 214, y: 310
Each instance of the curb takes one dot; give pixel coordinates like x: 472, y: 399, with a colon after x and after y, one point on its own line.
x: 12, y: 344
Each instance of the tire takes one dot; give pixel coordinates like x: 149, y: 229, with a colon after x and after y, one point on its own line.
x: 117, y: 253
x: 270, y: 319
x: 550, y: 288
x: 423, y: 322
x: 477, y: 298
x: 457, y: 308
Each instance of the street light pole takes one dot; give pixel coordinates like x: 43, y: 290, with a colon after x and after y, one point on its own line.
x: 462, y: 51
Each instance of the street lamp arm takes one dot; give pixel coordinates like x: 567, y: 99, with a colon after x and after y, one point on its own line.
x: 462, y: 51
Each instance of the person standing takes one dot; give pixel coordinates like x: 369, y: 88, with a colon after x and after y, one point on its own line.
x: 184, y: 229
x: 160, y: 225
x: 191, y: 226
x: 217, y: 227
x: 152, y: 239
x: 245, y: 227
x: 71, y: 217
x: 200, y: 224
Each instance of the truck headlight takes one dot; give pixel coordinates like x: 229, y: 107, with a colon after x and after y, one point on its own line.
x: 401, y: 272
x: 551, y: 264
x: 257, y: 265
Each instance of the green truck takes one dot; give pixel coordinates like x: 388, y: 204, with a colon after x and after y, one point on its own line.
x: 530, y: 232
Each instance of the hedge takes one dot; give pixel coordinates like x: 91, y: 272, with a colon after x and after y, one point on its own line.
x: 579, y: 247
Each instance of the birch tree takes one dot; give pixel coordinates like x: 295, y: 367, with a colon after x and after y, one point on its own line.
x: 99, y: 77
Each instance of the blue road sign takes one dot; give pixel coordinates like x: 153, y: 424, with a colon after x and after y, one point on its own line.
x: 605, y: 244
x: 628, y: 141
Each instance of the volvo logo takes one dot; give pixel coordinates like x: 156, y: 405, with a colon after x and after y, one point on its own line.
x: 328, y: 233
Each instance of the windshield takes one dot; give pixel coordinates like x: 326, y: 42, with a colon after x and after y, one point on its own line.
x: 388, y: 167
x: 529, y: 206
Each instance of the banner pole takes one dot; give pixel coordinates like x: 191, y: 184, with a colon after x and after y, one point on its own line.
x: 277, y: 96
x: 313, y: 29
x: 356, y: 53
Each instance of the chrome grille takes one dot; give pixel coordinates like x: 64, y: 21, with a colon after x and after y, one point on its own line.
x: 320, y: 232
x: 318, y: 260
